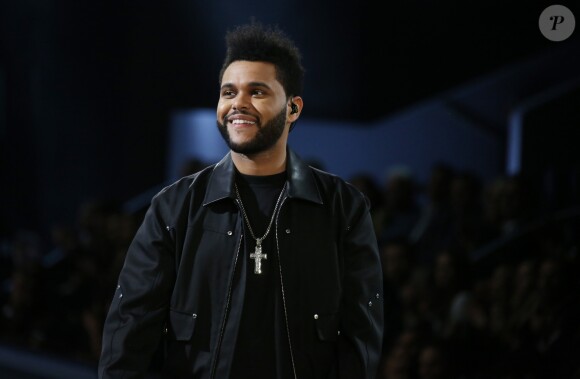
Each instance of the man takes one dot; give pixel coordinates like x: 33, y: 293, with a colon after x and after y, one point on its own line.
x: 258, y: 266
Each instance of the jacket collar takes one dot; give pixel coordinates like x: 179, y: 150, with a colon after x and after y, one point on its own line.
x: 301, y: 181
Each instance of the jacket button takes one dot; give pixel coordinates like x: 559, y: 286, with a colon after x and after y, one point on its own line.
x: 339, y: 332
x: 230, y: 232
x: 377, y: 296
x: 168, y: 228
x: 194, y: 315
x: 316, y: 317
x: 288, y: 231
x: 370, y: 303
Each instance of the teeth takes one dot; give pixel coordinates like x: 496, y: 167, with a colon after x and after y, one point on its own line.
x: 237, y: 121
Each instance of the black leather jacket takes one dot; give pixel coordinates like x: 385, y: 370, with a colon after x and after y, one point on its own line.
x: 178, y: 287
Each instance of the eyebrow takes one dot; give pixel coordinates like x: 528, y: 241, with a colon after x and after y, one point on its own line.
x: 250, y: 84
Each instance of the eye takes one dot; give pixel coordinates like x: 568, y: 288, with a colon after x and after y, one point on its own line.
x: 258, y: 92
x: 228, y: 93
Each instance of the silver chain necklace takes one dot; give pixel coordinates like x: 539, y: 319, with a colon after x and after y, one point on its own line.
x: 257, y: 255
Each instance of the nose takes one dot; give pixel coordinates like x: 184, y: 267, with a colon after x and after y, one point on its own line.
x: 240, y: 102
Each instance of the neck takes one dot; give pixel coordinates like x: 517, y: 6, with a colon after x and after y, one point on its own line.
x: 269, y: 162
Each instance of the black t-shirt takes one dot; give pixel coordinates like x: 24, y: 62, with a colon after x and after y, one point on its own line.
x: 255, y: 347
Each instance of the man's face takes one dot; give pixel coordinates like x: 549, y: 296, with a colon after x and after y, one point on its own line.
x: 252, y: 108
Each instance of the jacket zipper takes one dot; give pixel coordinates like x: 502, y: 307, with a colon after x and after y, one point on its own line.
x: 282, y: 290
x: 224, y: 320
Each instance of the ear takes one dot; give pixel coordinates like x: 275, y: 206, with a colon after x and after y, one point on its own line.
x: 295, y: 108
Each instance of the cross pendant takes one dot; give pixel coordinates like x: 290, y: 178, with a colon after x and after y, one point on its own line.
x: 257, y: 256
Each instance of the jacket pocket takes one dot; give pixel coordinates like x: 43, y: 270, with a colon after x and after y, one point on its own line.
x: 181, y: 325
x: 327, y: 326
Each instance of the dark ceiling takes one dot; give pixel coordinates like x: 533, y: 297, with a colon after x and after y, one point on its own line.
x: 363, y: 59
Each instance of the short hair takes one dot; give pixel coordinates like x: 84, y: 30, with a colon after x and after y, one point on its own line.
x: 259, y: 43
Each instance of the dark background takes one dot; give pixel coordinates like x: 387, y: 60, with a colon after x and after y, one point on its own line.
x: 86, y: 87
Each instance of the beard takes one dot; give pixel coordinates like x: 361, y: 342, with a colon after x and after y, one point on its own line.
x: 266, y: 137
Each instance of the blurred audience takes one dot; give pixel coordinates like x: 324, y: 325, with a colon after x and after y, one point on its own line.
x: 401, y: 209
x: 55, y: 301
x: 448, y: 316
x: 433, y: 230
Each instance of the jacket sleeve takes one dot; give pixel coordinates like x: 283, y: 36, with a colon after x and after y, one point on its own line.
x: 135, y: 320
x: 360, y: 347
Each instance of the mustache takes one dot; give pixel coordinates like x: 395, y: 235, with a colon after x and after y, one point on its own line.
x: 235, y: 113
